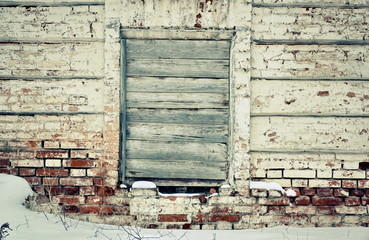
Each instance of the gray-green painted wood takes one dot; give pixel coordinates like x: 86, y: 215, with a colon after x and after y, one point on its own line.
x: 183, y: 85
x: 177, y: 100
x: 171, y: 132
x: 154, y: 49
x: 183, y: 169
x: 178, y: 68
x: 178, y: 116
x: 176, y: 150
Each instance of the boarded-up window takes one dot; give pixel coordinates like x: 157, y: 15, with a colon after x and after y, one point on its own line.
x: 175, y: 110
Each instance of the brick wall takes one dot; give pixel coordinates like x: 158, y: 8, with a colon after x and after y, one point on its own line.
x: 299, y: 105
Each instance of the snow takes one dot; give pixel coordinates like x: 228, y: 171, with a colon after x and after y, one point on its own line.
x: 271, y: 186
x: 143, y: 184
x: 179, y: 194
x: 29, y: 225
x: 122, y: 186
x: 225, y: 186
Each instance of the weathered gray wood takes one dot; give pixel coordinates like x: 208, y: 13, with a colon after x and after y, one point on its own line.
x: 177, y: 34
x: 178, y: 116
x: 178, y: 68
x: 176, y: 150
x: 123, y: 111
x: 327, y: 134
x: 180, y: 182
x: 174, y: 132
x: 177, y: 100
x: 183, y: 85
x: 310, y: 97
x: 154, y: 49
x: 183, y: 169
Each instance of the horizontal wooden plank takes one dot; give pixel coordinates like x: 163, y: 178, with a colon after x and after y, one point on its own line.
x: 178, y: 116
x: 187, y: 49
x: 177, y: 169
x: 178, y: 68
x: 184, y: 85
x: 315, y: 61
x: 304, y: 23
x: 177, y: 34
x: 327, y: 134
x: 177, y: 100
x: 47, y: 3
x: 310, y: 97
x: 176, y: 150
x: 171, y: 132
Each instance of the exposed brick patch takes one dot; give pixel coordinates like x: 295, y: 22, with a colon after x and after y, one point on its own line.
x: 349, y: 183
x: 275, y: 201
x: 105, y: 191
x: 52, y: 172
x: 278, y: 210
x: 27, y: 171
x: 88, y: 209
x: 325, y: 210
x: 326, y: 201
x: 352, y: 201
x: 224, y: 218
x: 70, y: 190
x: 4, y: 162
x: 52, y: 154
x: 303, y: 200
x: 324, y: 192
x: 172, y: 217
x: 308, y: 192
x: 357, y: 192
x: 78, y: 163
x: 341, y: 192
x: 76, y: 181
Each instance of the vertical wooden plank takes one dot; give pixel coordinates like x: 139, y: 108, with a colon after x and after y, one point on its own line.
x: 123, y: 114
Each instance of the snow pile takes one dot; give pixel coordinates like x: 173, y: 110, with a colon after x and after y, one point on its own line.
x: 143, y: 184
x: 272, y: 186
x: 28, y: 225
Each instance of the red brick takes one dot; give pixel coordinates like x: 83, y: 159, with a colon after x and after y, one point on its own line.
x: 33, y: 180
x: 76, y: 181
x: 352, y: 201
x: 341, y: 192
x: 357, y: 192
x: 325, y: 210
x: 97, y: 181
x: 53, y: 191
x: 70, y: 209
x: 324, y: 192
x: 199, y: 218
x: 278, y: 210
x: 107, y: 210
x: 172, y: 218
x: 50, y: 181
x: 87, y: 209
x: 69, y: 199
x: 172, y: 226
x: 79, y: 163
x: 275, y: 201
x: 367, y: 192
x: 224, y: 218
x: 5, y: 170
x: 365, y: 201
x: 87, y: 190
x: 70, y: 190
x: 308, y: 192
x: 186, y: 226
x: 105, y: 191
x: 326, y: 201
x: 27, y: 171
x: 52, y: 154
x: 4, y: 162
x: 52, y: 172
x: 363, y: 183
x: 94, y: 200
x: 349, y: 183
x: 303, y: 200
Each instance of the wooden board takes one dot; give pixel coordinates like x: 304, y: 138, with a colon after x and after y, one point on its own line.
x: 178, y: 116
x: 183, y: 85
x: 332, y: 134
x: 310, y: 97
x: 176, y: 150
x: 177, y: 100
x: 178, y: 68
x: 154, y: 49
x: 174, y: 132
x: 182, y: 169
